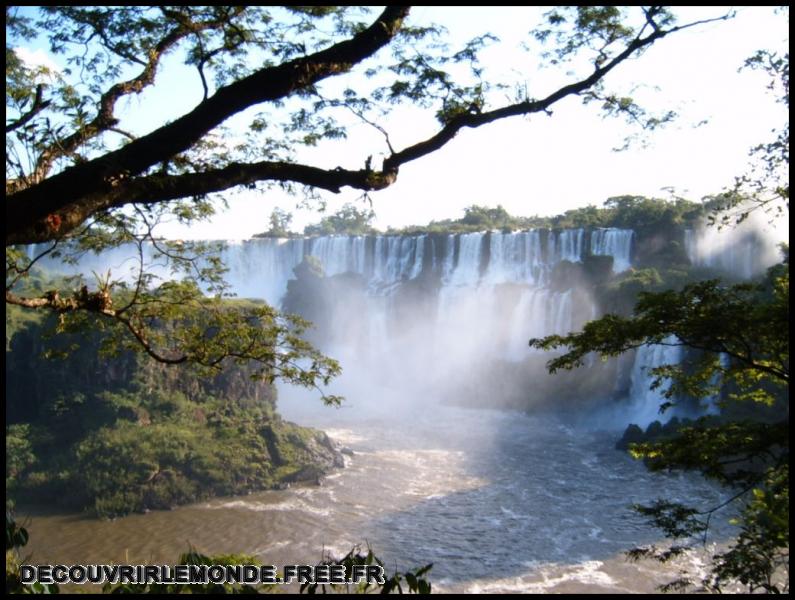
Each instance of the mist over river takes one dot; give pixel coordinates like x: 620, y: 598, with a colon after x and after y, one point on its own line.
x: 499, y: 501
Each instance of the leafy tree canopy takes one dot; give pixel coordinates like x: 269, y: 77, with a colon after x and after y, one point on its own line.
x: 486, y: 218
x: 279, y: 224
x: 739, y: 341
x: 349, y: 220
x: 630, y: 212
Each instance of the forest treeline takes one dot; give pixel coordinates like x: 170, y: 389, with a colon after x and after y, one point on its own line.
x: 639, y: 213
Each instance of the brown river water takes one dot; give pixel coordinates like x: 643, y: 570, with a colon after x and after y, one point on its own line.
x: 498, y: 501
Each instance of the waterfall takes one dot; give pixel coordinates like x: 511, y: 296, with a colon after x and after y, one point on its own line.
x: 562, y: 314
x: 569, y: 246
x: 710, y: 404
x: 539, y: 312
x: 492, y: 287
x: 449, y: 317
x: 516, y: 258
x: 645, y: 402
x: 534, y: 258
x: 613, y: 242
x: 478, y: 298
x: 395, y: 258
x: 448, y: 264
x: 261, y: 268
x: 418, y: 256
x: 505, y: 258
x: 467, y: 268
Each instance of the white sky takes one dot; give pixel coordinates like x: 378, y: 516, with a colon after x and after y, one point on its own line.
x: 540, y: 165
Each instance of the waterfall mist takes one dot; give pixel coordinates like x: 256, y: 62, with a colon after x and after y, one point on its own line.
x: 423, y: 319
x: 742, y: 251
x: 443, y: 317
x: 433, y: 317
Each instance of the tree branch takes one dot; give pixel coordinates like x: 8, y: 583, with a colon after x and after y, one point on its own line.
x: 59, y: 204
x: 521, y: 108
x: 92, y: 302
x: 105, y: 119
x: 153, y: 189
x: 39, y: 104
x: 749, y: 359
x: 27, y: 210
x: 156, y: 188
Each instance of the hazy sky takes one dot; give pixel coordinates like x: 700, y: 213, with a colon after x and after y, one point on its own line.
x: 542, y: 164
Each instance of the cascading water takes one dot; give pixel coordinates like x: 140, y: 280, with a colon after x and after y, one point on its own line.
x: 711, y: 404
x: 474, y: 272
x: 738, y: 252
x: 569, y: 245
x: 467, y: 269
x: 516, y: 258
x: 613, y: 242
x: 645, y: 402
x: 268, y: 265
x: 447, y: 300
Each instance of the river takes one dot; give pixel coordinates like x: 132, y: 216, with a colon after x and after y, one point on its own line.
x: 499, y: 501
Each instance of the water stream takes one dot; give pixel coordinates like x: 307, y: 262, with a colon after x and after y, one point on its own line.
x: 498, y: 501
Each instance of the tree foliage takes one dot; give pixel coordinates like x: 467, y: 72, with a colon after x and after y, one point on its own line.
x: 706, y: 316
x: 747, y: 325
x: 348, y: 220
x: 486, y: 218
x: 639, y: 213
x: 279, y: 224
x: 129, y: 434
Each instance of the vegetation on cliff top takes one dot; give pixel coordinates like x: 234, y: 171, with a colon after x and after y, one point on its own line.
x: 639, y: 213
x: 126, y: 434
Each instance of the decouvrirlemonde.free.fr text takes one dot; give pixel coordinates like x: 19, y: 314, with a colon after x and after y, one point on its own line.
x: 201, y: 574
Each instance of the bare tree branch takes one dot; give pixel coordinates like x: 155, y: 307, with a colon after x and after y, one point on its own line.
x: 39, y: 104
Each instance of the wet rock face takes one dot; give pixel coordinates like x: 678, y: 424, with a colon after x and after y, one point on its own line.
x: 633, y: 434
x: 309, y: 454
x: 327, y: 455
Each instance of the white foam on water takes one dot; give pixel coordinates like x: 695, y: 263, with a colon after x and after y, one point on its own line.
x: 551, y: 577
x: 295, y: 504
x: 345, y: 436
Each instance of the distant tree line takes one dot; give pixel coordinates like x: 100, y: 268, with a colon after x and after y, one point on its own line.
x: 627, y: 212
